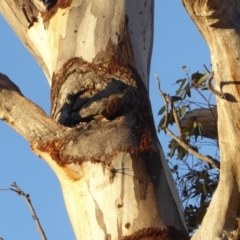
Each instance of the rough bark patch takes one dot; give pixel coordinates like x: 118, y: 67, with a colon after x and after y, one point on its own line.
x: 47, y: 15
x: 169, y: 233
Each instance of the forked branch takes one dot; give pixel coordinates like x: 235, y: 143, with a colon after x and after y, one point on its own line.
x: 167, y: 101
x: 21, y: 114
x: 20, y: 192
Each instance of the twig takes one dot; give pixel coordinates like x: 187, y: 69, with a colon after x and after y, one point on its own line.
x: 168, y: 100
x: 17, y: 190
x: 214, y: 91
x: 206, y: 68
x: 206, y: 159
x: 176, y: 118
x: 163, y: 95
x: 179, y: 140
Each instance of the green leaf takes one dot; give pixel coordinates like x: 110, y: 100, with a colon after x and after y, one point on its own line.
x: 201, y: 215
x: 171, y: 119
x: 179, y: 91
x: 188, y: 92
x: 204, y: 190
x: 172, y: 146
x: 162, y: 121
x: 202, y: 80
x: 182, y: 110
x: 181, y: 153
x: 188, y: 128
x: 176, y: 98
x: 196, y: 77
x: 182, y: 81
x: 162, y: 110
x: 197, y: 129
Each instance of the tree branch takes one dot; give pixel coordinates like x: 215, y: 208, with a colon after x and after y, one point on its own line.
x: 44, y: 38
x: 206, y: 159
x: 22, y: 115
x: 214, y: 91
x: 20, y: 192
x: 180, y: 125
x: 13, y: 12
x: 165, y: 99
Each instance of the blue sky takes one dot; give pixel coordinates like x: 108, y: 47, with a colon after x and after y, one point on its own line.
x: 177, y: 42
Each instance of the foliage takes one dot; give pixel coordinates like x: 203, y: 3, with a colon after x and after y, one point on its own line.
x: 195, y: 179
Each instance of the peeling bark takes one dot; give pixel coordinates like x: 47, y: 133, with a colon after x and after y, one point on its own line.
x: 218, y: 22
x: 100, y: 140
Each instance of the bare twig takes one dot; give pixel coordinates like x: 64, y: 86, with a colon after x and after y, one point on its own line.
x: 179, y: 139
x: 163, y: 95
x: 206, y: 68
x: 214, y: 91
x: 167, y: 100
x: 176, y: 118
x: 17, y: 190
x: 206, y: 159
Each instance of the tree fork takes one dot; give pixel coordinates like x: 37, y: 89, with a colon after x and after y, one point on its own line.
x: 132, y: 152
x: 136, y: 166
x: 102, y: 145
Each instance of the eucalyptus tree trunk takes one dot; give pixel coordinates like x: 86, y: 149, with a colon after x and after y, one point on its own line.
x: 100, y: 139
x: 218, y: 21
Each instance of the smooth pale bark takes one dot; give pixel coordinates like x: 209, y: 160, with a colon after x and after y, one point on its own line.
x: 207, y: 117
x: 218, y: 21
x: 114, y: 176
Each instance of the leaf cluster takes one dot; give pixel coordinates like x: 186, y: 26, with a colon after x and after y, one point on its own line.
x: 196, y: 180
x: 185, y: 86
